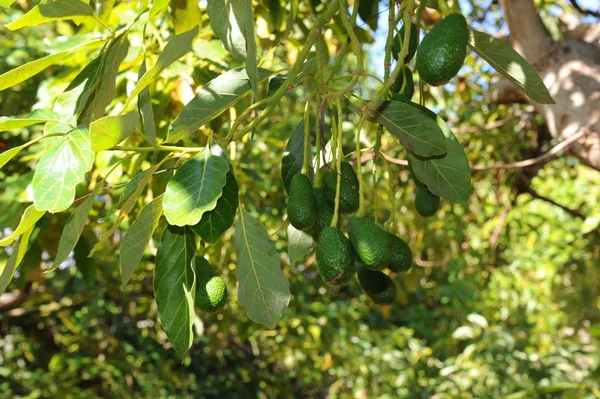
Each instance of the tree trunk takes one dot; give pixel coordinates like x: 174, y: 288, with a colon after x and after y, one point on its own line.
x: 571, y: 71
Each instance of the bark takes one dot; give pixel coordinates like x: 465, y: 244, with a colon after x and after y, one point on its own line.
x: 571, y: 71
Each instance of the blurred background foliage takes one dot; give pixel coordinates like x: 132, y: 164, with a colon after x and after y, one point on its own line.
x: 503, y: 300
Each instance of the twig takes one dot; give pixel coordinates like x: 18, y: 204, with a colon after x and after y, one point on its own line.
x: 584, y: 10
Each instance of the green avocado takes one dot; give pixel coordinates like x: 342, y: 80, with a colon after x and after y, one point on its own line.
x: 443, y: 50
x: 324, y: 212
x: 427, y: 204
x: 211, y: 291
x: 377, y: 285
x: 401, y: 255
x: 349, y: 196
x: 409, y: 90
x: 412, y: 45
x: 371, y: 243
x: 335, y: 257
x: 302, y: 206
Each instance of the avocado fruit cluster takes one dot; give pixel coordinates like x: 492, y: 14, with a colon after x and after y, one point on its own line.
x: 211, y: 291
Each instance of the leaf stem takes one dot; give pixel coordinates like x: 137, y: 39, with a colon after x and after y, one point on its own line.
x: 340, y: 155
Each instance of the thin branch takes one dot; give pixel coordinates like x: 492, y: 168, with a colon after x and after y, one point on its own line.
x: 572, y: 212
x: 584, y: 10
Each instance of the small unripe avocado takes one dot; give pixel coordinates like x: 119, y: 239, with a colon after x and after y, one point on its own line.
x: 211, y: 291
x: 371, y: 243
x: 302, y: 206
x: 324, y: 212
x: 335, y: 257
x: 412, y: 45
x: 401, y: 255
x: 427, y: 204
x: 409, y: 90
x: 349, y: 197
x: 443, y: 50
x: 377, y: 285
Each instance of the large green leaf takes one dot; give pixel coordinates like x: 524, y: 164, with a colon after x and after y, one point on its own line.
x: 214, y: 223
x: 177, y: 47
x: 195, y: 188
x: 28, y: 220
x: 229, y: 22
x: 293, y: 156
x: 73, y: 229
x: 263, y: 289
x: 7, y: 270
x: 62, y: 167
x: 511, y: 65
x: 109, y: 131
x: 37, y: 116
x: 175, y: 285
x: 59, y: 9
x: 137, y: 238
x: 211, y: 101
x: 146, y: 110
x: 299, y: 244
x: 448, y: 176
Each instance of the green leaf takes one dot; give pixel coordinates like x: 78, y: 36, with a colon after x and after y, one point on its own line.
x: 6, y: 3
x: 195, y: 188
x: 57, y: 10
x: 37, y: 116
x: 448, y: 176
x: 8, y: 269
x: 9, y: 154
x: 211, y: 101
x: 157, y: 6
x: 146, y: 111
x: 185, y: 14
x: 251, y: 59
x: 174, y: 286
x: 214, y: 223
x: 28, y: 220
x: 62, y: 167
x: 299, y: 244
x: 263, y: 289
x: 369, y: 12
x: 177, y: 47
x: 73, y: 229
x: 131, y: 187
x: 511, y: 65
x: 137, y: 238
x: 109, y: 131
x: 228, y: 21
x: 293, y: 156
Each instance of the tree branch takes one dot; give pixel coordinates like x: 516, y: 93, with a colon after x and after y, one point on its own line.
x: 584, y: 10
x: 534, y: 194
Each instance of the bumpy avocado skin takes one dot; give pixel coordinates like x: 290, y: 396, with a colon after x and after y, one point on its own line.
x: 211, y: 291
x: 412, y: 46
x: 409, y: 89
x: 302, y: 206
x: 377, y: 285
x: 349, y: 196
x: 335, y: 258
x: 371, y: 243
x: 401, y: 255
x: 426, y: 203
x: 443, y: 50
x: 324, y: 212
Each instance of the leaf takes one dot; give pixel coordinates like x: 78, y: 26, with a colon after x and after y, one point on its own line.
x: 174, y: 286
x: 293, y: 156
x: 146, y: 111
x: 62, y: 167
x: 131, y: 187
x: 214, y: 223
x: 211, y: 101
x: 228, y: 21
x: 6, y: 3
x: 9, y: 154
x: 195, y: 188
x: 416, y: 131
x: 73, y: 229
x: 57, y: 10
x: 263, y: 289
x: 109, y: 131
x: 511, y: 65
x: 37, y: 116
x: 299, y: 244
x: 137, y: 237
x: 448, y: 176
x: 157, y: 6
x: 7, y: 270
x: 369, y: 12
x: 176, y: 47
x: 185, y: 14
x: 28, y: 220
x: 251, y: 58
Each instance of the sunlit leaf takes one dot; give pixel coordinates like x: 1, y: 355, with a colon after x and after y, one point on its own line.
x: 157, y: 6
x: 299, y: 244
x: 228, y: 20
x: 185, y: 14
x: 7, y: 270
x: 37, y: 116
x: 57, y: 10
x: 109, y: 131
x: 146, y: 111
x: 28, y: 220
x: 263, y: 290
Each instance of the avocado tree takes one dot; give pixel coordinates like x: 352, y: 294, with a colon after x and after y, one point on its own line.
x: 143, y: 148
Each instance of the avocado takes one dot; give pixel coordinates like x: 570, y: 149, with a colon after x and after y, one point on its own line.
x: 409, y: 90
x: 211, y: 291
x: 412, y: 45
x: 324, y: 212
x: 377, y: 285
x: 427, y: 204
x: 418, y: 182
x: 401, y: 255
x: 349, y: 196
x: 302, y: 206
x: 335, y: 257
x: 371, y: 243
x: 443, y: 50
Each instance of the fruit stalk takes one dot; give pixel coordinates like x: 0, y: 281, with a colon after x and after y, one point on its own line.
x: 340, y: 154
